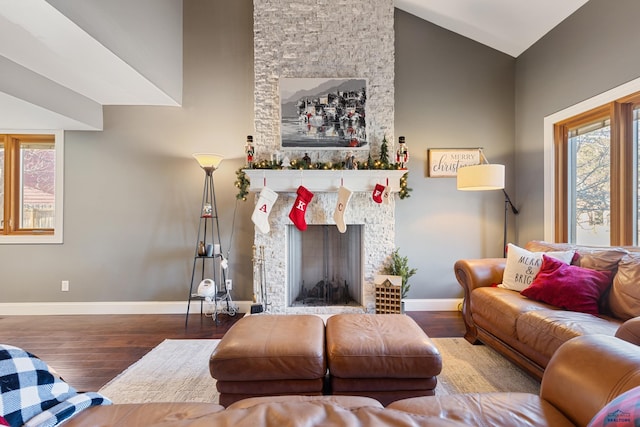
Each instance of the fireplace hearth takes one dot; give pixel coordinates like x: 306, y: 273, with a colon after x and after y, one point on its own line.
x: 324, y: 294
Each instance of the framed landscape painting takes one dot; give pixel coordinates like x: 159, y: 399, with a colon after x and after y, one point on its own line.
x: 323, y: 113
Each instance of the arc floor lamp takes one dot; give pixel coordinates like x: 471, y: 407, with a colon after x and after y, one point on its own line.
x: 487, y: 176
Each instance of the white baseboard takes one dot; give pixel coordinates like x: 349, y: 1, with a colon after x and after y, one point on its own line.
x: 450, y: 304
x: 107, y: 307
x: 170, y: 307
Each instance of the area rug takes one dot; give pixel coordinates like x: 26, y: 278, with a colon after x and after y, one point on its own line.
x: 468, y: 368
x: 178, y: 371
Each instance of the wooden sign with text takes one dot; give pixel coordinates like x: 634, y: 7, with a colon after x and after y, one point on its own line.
x: 445, y: 162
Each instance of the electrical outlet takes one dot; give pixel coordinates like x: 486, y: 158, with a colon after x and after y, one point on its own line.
x: 229, y: 284
x: 65, y: 286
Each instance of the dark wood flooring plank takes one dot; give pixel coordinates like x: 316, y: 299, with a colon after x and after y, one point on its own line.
x: 88, y: 351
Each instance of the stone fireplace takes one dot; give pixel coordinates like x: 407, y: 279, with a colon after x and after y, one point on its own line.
x: 375, y: 221
x: 341, y: 39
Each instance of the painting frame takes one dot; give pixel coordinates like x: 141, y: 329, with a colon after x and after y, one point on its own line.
x: 445, y: 162
x: 323, y: 114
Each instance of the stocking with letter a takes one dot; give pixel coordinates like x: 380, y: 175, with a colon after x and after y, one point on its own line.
x: 260, y: 216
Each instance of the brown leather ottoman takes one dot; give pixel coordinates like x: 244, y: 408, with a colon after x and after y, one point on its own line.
x: 269, y: 354
x: 384, y: 356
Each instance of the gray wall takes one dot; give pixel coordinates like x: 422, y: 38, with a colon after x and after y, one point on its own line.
x: 132, y: 192
x: 589, y: 53
x: 451, y: 92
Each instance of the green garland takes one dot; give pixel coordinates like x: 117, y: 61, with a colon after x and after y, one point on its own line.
x: 242, y: 181
x: 242, y: 184
x: 404, y: 189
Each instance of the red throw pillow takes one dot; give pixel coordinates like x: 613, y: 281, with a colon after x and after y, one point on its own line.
x: 568, y: 286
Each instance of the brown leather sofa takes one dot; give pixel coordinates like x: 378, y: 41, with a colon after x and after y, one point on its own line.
x: 583, y: 376
x: 529, y: 332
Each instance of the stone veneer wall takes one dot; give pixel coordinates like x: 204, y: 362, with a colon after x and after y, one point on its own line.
x: 378, y: 242
x: 324, y: 38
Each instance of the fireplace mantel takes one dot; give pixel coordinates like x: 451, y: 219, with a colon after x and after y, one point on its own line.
x: 288, y: 181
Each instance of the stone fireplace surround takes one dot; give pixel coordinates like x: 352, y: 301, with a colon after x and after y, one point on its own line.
x: 378, y: 222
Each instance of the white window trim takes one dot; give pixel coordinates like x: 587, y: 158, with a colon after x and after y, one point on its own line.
x: 549, y: 158
x: 57, y: 236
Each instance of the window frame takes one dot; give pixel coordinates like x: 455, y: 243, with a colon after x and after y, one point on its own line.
x: 563, y: 173
x: 23, y: 236
x: 618, y: 104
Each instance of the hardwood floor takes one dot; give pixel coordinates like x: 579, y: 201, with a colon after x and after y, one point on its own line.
x: 88, y: 351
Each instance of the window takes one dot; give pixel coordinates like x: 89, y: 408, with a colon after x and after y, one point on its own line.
x: 31, y: 190
x: 596, y: 175
x: 589, y: 203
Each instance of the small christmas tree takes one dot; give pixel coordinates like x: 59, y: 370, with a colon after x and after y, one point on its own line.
x: 384, y: 152
x: 398, y: 265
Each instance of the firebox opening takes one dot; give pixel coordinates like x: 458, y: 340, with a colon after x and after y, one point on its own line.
x: 325, y: 266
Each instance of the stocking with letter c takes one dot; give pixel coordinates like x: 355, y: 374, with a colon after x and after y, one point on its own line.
x: 344, y: 195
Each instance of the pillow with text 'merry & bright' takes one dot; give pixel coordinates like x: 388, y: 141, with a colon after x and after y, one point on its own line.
x: 523, y: 266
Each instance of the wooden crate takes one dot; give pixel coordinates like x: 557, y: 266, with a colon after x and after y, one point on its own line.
x: 388, y: 298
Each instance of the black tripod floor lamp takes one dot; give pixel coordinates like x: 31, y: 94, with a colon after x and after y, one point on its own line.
x: 486, y: 176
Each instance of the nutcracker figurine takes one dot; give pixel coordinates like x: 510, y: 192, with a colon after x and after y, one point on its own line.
x: 249, y: 150
x: 402, y: 155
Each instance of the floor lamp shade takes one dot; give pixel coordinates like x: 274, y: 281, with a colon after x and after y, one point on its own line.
x: 208, y: 160
x: 487, y: 176
x: 481, y: 177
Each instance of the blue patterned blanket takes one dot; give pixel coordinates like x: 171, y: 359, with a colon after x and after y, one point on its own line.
x: 31, y: 394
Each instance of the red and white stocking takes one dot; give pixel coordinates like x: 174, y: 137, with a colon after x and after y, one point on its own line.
x: 377, y: 193
x: 300, y: 208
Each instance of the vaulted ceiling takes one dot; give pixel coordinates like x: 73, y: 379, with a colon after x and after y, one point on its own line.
x: 62, y: 60
x: 510, y: 26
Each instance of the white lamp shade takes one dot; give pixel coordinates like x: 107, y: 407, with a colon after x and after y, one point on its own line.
x: 208, y: 160
x: 481, y: 177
